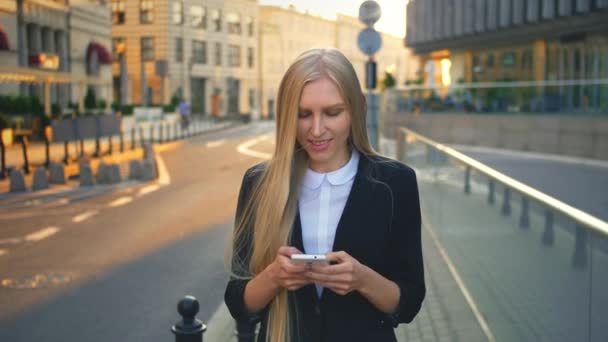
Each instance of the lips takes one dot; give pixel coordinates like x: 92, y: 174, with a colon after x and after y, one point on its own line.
x: 319, y: 145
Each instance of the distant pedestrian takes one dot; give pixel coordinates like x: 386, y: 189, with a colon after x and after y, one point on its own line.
x: 184, y: 113
x: 325, y: 191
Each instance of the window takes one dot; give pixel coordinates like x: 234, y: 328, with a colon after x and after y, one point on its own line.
x: 199, y: 52
x: 234, y: 23
x: 249, y: 24
x: 179, y: 50
x: 147, y: 48
x: 218, y: 54
x: 508, y: 59
x: 526, y: 59
x: 118, y: 44
x: 118, y: 11
x: 234, y: 55
x: 178, y: 13
x: 250, y: 57
x: 490, y: 61
x: 216, y: 17
x: 146, y: 11
x: 198, y: 16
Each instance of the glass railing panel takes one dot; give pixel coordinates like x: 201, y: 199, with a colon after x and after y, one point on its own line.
x: 529, y: 279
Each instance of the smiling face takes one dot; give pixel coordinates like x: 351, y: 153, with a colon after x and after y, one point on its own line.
x: 324, y: 125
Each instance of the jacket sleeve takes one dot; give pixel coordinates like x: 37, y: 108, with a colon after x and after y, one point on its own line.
x: 405, y: 262
x: 234, y: 296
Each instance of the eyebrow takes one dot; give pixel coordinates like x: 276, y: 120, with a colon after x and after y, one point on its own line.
x: 326, y: 108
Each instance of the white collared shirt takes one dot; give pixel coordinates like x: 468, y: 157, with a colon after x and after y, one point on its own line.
x: 321, y: 202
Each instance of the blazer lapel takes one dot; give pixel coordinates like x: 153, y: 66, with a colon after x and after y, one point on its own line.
x: 354, y: 205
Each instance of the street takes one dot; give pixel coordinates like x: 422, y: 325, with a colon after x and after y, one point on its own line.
x: 111, y: 263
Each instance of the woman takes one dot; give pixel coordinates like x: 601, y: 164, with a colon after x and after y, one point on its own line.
x: 326, y: 191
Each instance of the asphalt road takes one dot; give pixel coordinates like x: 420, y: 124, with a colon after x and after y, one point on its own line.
x: 111, y: 263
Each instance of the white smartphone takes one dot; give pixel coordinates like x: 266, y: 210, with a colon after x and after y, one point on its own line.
x: 309, y: 258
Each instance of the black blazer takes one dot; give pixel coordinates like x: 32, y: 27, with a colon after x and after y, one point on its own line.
x: 380, y: 227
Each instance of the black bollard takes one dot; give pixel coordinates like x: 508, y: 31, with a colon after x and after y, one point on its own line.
x: 82, y: 147
x: 66, y: 153
x: 151, y: 139
x: 26, y: 163
x: 47, y: 148
x: 3, y: 172
x: 176, y: 136
x: 189, y: 329
x: 491, y: 191
x: 121, y: 141
x: 245, y: 331
x: 97, y: 147
x: 132, y: 138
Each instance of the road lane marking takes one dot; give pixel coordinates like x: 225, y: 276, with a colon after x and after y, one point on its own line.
x: 465, y: 291
x: 148, y: 189
x: 163, y: 175
x: 84, y: 216
x: 42, y: 234
x: 121, y: 201
x: 216, y: 143
x: 10, y: 241
x: 3, y: 252
x: 244, y: 149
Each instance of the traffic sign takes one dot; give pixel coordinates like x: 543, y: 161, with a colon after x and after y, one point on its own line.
x: 369, y: 12
x: 369, y: 41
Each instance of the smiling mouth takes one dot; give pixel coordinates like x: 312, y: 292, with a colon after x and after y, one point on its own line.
x: 319, y: 142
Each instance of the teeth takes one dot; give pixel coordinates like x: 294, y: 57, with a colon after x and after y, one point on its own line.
x: 319, y: 142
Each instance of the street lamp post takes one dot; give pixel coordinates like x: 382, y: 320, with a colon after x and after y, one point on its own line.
x: 369, y: 42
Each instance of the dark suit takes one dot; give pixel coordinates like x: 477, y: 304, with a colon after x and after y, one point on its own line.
x: 380, y: 227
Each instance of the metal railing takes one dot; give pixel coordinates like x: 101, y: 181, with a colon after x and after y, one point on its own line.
x: 160, y: 132
x: 582, y: 218
x: 523, y: 289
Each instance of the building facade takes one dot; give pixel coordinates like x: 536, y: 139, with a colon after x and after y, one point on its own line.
x: 510, y: 40
x: 285, y: 33
x: 56, y: 36
x: 203, y: 51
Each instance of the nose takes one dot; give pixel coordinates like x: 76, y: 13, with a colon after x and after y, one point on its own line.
x: 318, y: 128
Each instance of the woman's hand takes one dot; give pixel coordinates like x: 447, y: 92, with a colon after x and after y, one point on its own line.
x: 286, y: 274
x: 344, y: 276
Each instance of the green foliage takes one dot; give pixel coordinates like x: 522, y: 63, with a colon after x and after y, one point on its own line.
x: 5, y: 121
x: 90, y: 102
x: 389, y: 81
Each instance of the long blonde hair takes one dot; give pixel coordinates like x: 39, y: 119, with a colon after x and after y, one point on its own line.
x: 273, y: 204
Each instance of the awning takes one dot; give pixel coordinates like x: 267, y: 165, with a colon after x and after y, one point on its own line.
x: 103, y: 55
x: 4, y: 45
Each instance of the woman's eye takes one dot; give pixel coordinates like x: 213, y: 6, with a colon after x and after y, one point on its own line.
x: 335, y: 112
x: 303, y: 115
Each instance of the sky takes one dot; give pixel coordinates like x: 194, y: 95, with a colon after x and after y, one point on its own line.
x: 391, y: 21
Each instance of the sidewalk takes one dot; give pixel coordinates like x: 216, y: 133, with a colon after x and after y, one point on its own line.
x: 37, y: 156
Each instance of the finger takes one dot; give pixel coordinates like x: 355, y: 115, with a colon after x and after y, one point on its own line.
x: 345, y: 267
x: 288, y: 251
x: 337, y: 257
x: 335, y: 287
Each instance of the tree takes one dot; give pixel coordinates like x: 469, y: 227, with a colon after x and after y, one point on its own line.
x: 90, y: 102
x: 389, y: 80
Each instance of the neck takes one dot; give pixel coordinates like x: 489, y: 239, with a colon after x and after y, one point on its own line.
x: 331, y: 165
